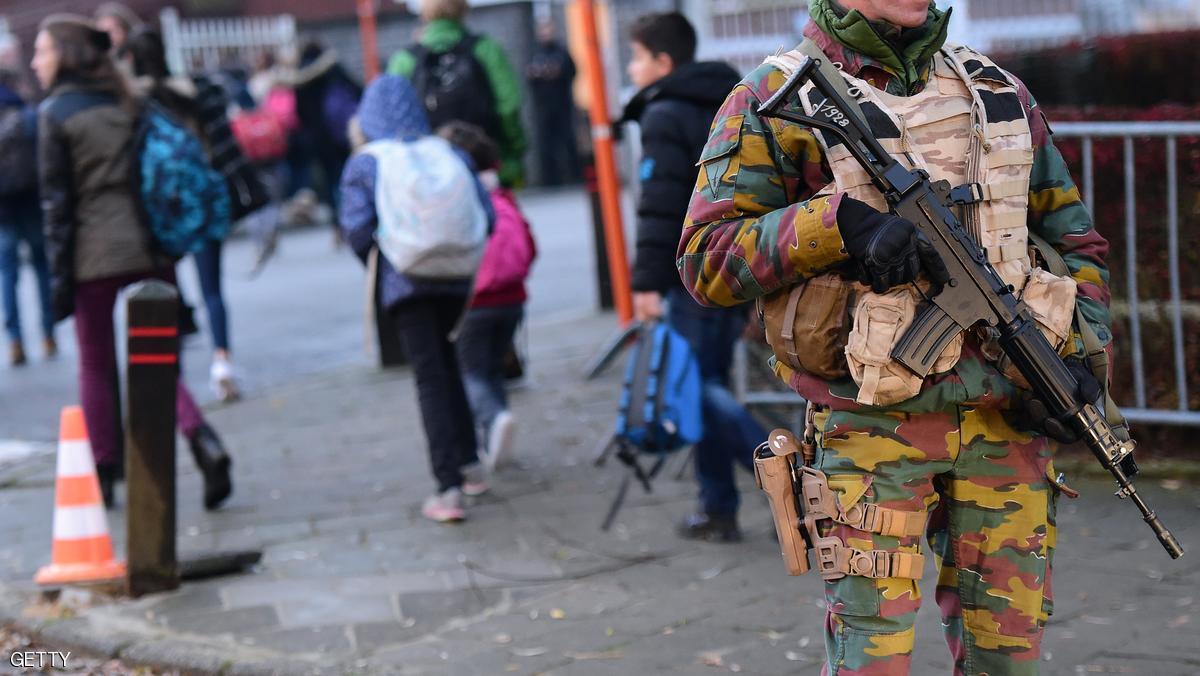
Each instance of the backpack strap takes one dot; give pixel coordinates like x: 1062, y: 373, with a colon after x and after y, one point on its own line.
x: 655, y: 387
x: 1095, y: 356
x: 468, y: 42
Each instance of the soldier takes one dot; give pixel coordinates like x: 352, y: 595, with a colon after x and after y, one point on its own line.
x: 780, y: 210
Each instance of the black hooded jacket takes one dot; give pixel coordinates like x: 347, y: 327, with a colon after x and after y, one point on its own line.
x: 675, y: 114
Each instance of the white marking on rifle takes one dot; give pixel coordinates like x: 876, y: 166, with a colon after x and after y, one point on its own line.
x: 833, y: 112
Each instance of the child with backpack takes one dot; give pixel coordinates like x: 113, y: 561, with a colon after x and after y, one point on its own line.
x: 464, y: 77
x: 96, y: 239
x: 200, y: 105
x: 675, y: 107
x: 499, y: 301
x: 412, y: 206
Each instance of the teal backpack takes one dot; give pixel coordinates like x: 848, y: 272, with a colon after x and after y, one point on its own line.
x: 183, y: 201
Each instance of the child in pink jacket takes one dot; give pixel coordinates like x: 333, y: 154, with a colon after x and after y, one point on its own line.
x: 499, y: 301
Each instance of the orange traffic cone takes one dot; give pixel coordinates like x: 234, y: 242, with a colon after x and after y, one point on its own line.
x: 82, y: 550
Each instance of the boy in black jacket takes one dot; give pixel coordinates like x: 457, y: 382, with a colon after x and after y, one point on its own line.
x: 675, y: 108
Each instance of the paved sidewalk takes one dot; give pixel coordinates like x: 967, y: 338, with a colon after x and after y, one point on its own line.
x: 330, y: 474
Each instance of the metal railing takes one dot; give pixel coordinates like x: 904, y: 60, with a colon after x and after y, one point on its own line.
x: 1136, y: 306
x: 204, y: 44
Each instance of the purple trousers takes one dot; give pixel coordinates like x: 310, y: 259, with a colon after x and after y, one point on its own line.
x: 99, y: 392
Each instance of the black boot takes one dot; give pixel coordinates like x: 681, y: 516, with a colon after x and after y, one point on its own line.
x: 711, y: 527
x: 214, y: 463
x: 108, y: 475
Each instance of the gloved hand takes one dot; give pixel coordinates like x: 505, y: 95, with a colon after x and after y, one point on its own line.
x: 888, y: 249
x: 1037, y: 416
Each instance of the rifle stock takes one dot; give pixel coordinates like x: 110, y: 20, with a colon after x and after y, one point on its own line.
x: 975, y: 292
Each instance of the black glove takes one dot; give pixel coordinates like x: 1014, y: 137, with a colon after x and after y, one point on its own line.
x: 1037, y: 416
x: 888, y: 249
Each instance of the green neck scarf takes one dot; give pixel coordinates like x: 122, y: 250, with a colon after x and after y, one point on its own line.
x: 904, y: 52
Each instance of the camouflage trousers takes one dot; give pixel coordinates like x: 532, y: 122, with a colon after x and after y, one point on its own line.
x: 989, y: 495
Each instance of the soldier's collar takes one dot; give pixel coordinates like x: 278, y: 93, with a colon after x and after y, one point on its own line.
x: 903, y: 54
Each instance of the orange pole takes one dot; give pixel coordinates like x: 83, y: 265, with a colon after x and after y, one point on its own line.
x: 606, y: 165
x: 366, y: 29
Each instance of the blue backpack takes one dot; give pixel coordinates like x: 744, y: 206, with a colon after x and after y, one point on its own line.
x: 660, y: 401
x: 660, y: 409
x: 183, y: 201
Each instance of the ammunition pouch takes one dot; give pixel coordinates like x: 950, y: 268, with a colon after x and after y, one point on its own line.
x: 880, y: 320
x: 807, y: 325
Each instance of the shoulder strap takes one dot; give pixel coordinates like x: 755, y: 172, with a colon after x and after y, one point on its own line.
x: 1095, y: 356
x: 468, y: 43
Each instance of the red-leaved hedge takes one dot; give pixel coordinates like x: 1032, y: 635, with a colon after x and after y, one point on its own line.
x: 1151, y: 232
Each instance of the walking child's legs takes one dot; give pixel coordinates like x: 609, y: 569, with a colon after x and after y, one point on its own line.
x: 424, y: 325
x: 98, y: 394
x: 30, y: 225
x: 10, y: 269
x: 730, y: 432
x: 208, y: 268
x: 481, y: 346
x: 188, y: 417
x: 730, y: 436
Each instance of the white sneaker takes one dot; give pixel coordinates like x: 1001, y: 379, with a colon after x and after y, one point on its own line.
x: 445, y: 507
x: 500, y: 440
x: 223, y: 381
x: 474, y: 480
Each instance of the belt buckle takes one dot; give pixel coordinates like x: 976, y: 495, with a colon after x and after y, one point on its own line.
x: 883, y: 564
x: 828, y: 549
x: 873, y: 564
x: 864, y: 516
x: 967, y: 193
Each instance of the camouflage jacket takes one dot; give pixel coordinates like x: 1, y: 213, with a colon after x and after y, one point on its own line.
x: 754, y: 225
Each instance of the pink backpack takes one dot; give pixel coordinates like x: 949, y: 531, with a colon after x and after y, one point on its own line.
x: 281, y: 103
x: 510, y: 250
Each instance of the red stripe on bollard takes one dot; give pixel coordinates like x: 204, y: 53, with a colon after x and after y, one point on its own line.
x: 153, y: 359
x: 153, y: 331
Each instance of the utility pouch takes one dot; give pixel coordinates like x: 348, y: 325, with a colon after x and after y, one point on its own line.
x: 1051, y: 301
x: 807, y: 325
x: 879, y: 322
x: 775, y: 473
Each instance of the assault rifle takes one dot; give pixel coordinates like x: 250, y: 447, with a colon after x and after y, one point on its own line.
x: 975, y: 292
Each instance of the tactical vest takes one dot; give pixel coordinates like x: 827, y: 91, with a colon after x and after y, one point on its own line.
x: 966, y: 126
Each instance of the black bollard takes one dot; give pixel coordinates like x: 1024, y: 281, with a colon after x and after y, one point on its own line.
x: 152, y: 309
x: 603, y: 280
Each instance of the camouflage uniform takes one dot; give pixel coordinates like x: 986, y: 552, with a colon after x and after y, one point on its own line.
x: 754, y: 226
